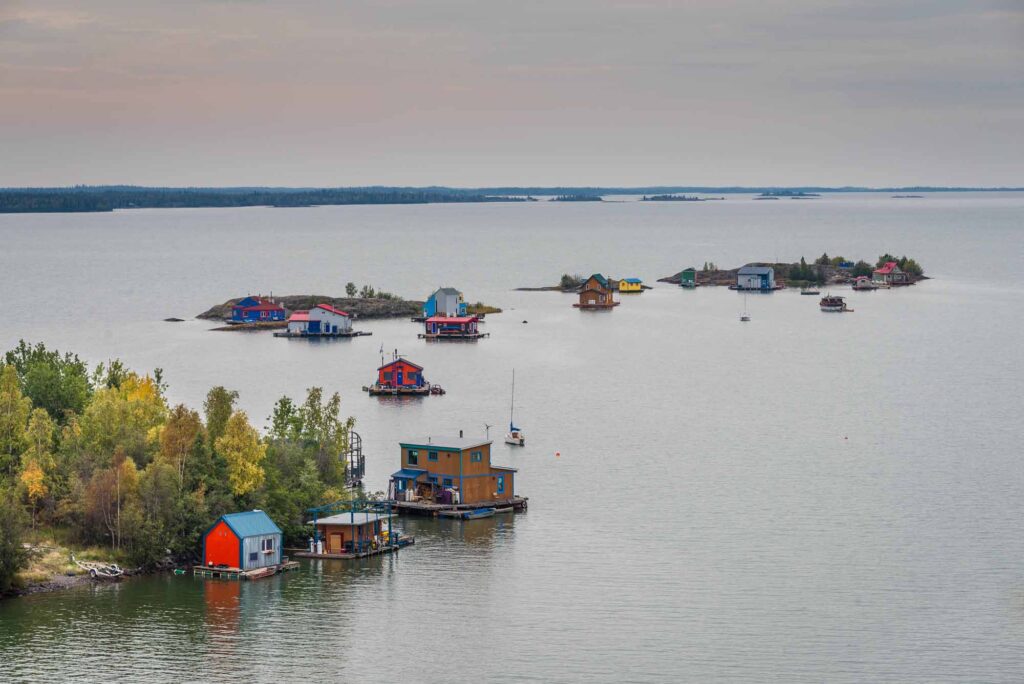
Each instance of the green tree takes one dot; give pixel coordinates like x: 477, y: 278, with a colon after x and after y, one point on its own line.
x: 244, y: 452
x: 219, y: 405
x: 14, y: 412
x: 823, y: 260
x: 13, y: 554
x: 350, y: 289
x: 53, y: 381
x: 126, y: 417
x: 367, y: 292
x: 862, y: 268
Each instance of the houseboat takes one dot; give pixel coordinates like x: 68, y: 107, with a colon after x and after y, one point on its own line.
x: 864, y: 284
x: 444, y: 301
x: 833, y: 303
x: 631, y: 285
x: 451, y: 473
x: 243, y: 546
x: 596, y: 293
x: 401, y: 377
x: 452, y: 328
x: 756, y: 278
x: 688, y: 278
x: 355, y: 529
x: 257, y: 310
x: 323, y: 320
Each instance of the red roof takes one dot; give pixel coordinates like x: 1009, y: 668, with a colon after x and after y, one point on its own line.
x: 889, y: 267
x: 299, y: 316
x: 400, y: 360
x: 452, y: 319
x: 328, y: 307
x: 262, y: 306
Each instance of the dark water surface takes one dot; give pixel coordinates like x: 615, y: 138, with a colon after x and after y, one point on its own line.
x: 808, y: 497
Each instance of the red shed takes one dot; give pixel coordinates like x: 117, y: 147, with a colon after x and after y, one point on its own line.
x: 400, y: 373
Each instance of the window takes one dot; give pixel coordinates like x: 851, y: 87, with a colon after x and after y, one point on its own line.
x: 414, y: 457
x: 476, y: 456
x: 267, y: 545
x: 253, y: 557
x: 432, y: 455
x: 501, y: 484
x: 447, y: 482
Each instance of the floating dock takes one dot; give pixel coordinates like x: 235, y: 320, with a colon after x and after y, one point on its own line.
x: 380, y: 390
x: 237, y: 574
x: 517, y: 503
x: 456, y: 337
x: 402, y: 542
x: 350, y: 333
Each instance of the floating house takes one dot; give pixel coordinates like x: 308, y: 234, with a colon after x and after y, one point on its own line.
x: 322, y: 320
x: 257, y: 310
x: 452, y: 328
x: 353, y: 529
x: 688, y: 278
x: 445, y: 301
x: 243, y: 546
x: 631, y: 285
x: 440, y: 472
x: 402, y: 377
x: 755, y: 278
x: 596, y: 293
x: 890, y: 273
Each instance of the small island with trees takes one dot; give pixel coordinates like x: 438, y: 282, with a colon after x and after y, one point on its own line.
x: 824, y: 270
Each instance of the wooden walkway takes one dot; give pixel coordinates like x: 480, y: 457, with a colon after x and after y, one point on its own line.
x: 402, y: 543
x: 239, y: 574
x: 518, y: 504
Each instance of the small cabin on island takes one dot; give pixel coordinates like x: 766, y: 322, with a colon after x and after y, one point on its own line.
x: 245, y: 541
x: 452, y: 327
x: 596, y: 293
x: 688, y: 277
x: 755, y: 278
x: 257, y: 310
x: 400, y: 374
x: 451, y: 470
x: 323, y: 319
x: 445, y: 301
x: 631, y: 285
x: 891, y: 274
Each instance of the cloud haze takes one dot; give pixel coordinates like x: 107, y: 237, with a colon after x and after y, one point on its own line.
x: 470, y: 93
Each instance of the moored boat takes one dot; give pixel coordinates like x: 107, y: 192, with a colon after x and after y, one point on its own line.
x: 833, y: 303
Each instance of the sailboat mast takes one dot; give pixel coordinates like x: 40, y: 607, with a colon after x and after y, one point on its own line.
x: 512, y: 408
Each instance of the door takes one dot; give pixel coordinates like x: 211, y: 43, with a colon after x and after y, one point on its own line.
x: 399, y: 381
x: 335, y: 543
x: 501, y: 484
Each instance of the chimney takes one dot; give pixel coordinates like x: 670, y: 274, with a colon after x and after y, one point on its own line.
x: 460, y: 434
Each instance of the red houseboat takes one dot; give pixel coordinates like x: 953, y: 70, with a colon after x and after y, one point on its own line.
x: 452, y: 328
x: 402, y: 377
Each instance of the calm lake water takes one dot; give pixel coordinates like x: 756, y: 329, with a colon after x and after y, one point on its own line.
x: 808, y: 497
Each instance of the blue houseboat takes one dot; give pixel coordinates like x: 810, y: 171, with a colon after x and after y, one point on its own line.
x: 256, y: 310
x: 445, y: 301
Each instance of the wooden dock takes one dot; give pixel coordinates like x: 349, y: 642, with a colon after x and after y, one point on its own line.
x: 517, y: 504
x: 297, y: 335
x: 379, y: 391
x: 457, y: 338
x: 237, y: 574
x: 402, y: 543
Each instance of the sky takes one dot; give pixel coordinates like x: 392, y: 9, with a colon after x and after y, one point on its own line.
x: 475, y: 93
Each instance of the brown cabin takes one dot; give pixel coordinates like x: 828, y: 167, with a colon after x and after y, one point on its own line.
x: 351, y: 532
x: 451, y: 470
x: 597, y: 293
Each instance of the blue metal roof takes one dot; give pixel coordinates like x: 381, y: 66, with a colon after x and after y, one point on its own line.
x: 408, y: 474
x: 633, y: 280
x: 250, y: 524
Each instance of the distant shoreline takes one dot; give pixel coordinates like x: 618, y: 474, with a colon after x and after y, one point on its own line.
x: 106, y: 198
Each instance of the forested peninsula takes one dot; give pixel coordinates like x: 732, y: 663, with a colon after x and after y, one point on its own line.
x: 97, y: 461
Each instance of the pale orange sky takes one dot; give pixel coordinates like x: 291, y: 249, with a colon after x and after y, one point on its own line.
x: 471, y: 93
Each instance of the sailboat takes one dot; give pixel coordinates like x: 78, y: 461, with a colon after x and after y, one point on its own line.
x: 515, y: 436
x: 745, y: 317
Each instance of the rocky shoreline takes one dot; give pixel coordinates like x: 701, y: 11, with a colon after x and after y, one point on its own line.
x: 358, y: 307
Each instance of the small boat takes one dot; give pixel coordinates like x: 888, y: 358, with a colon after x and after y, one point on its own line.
x: 806, y: 291
x: 515, y: 436
x: 832, y: 303
x: 468, y: 515
x: 744, y: 317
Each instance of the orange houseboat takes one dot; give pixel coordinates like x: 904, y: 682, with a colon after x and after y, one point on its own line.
x: 596, y: 293
x: 451, y: 471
